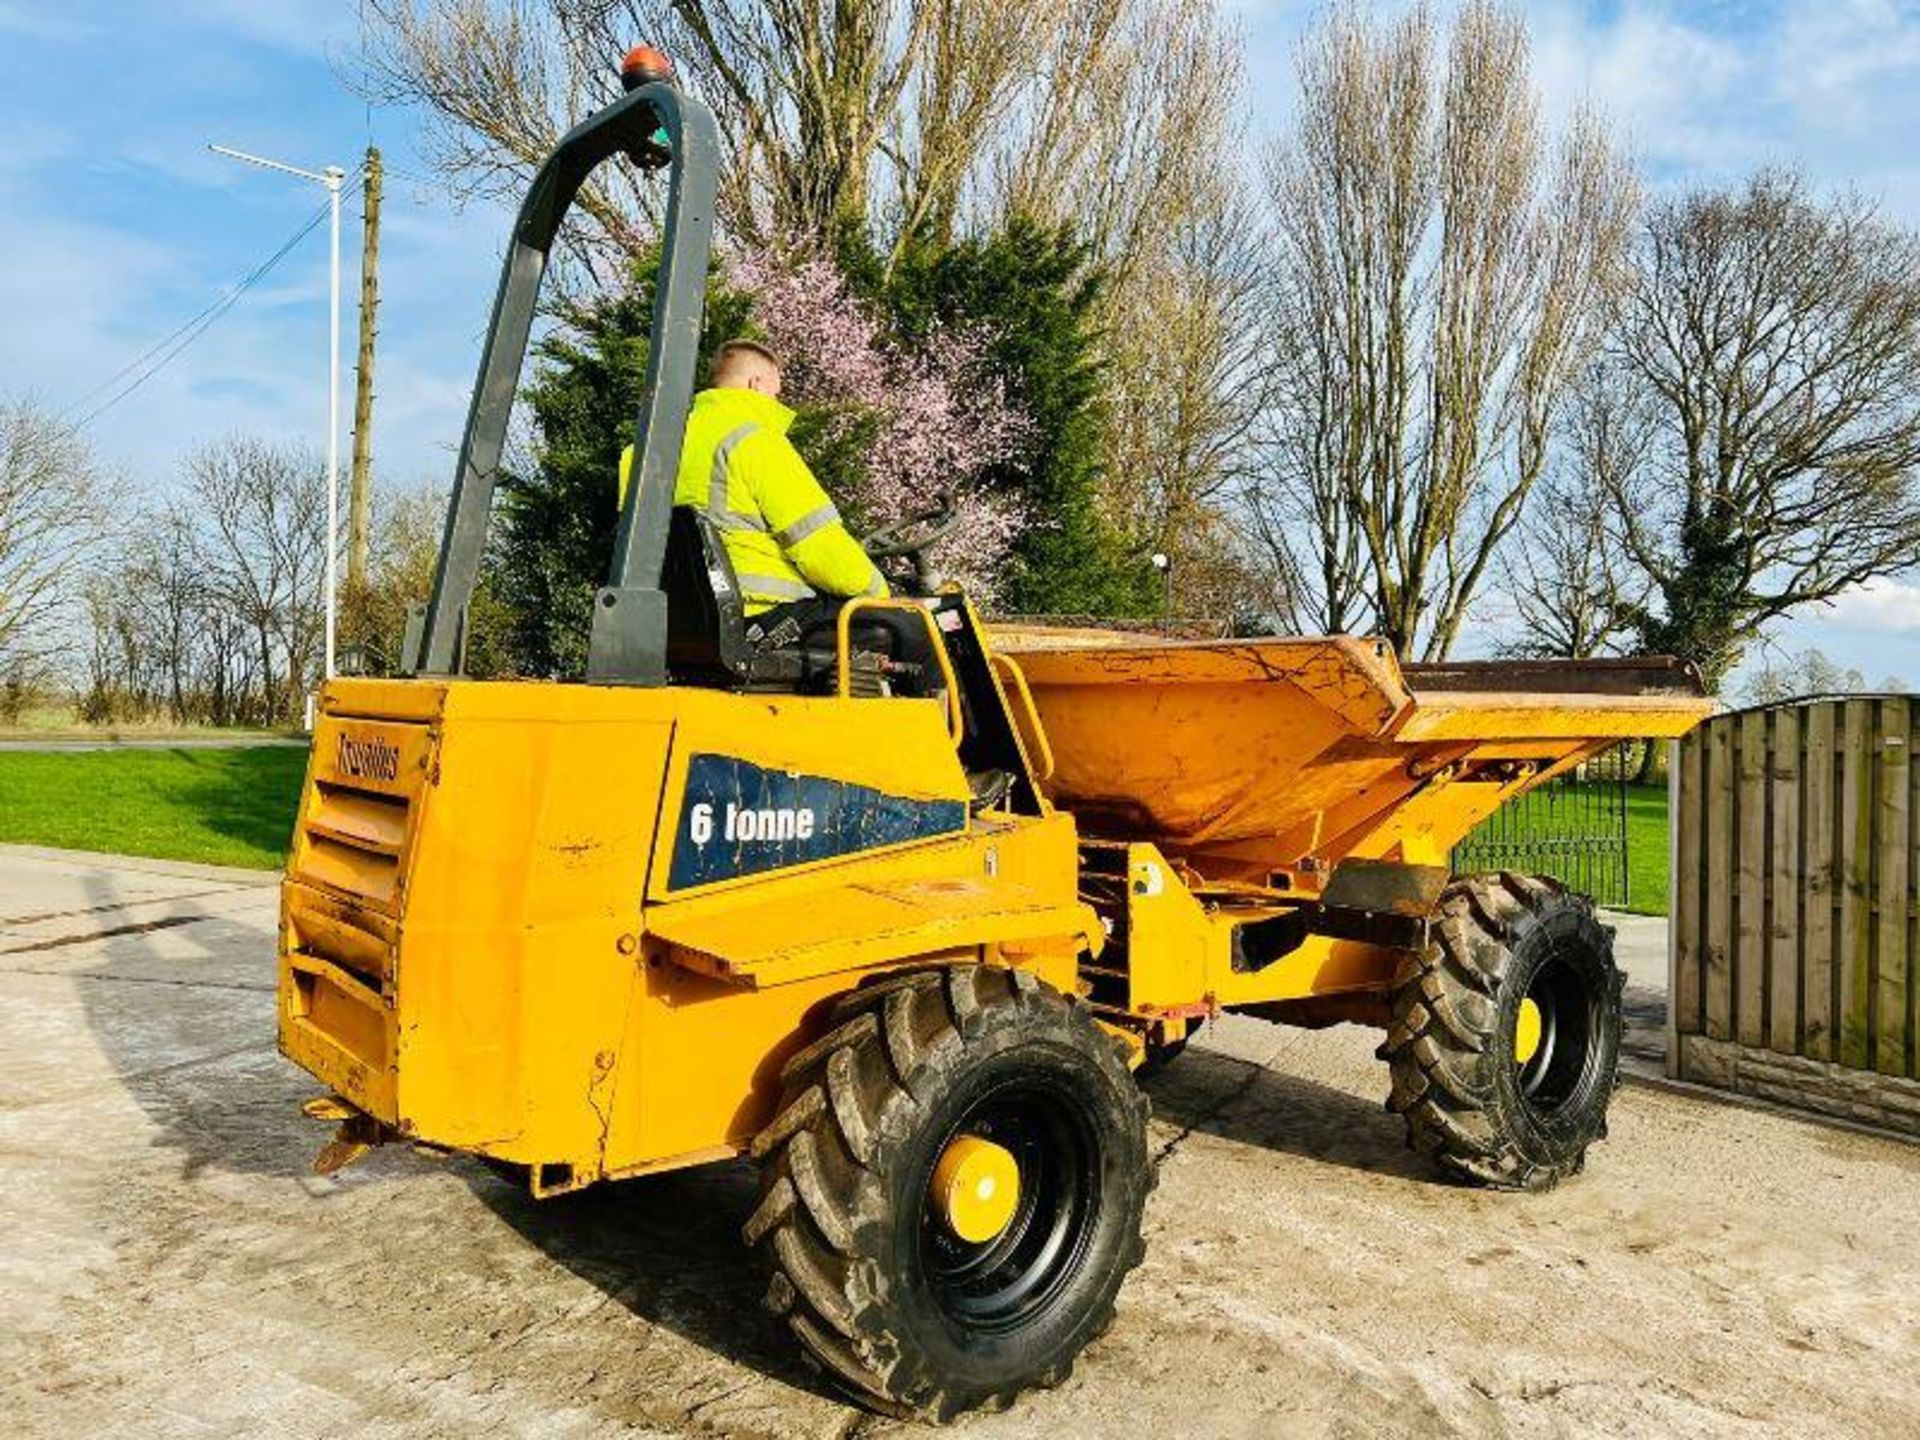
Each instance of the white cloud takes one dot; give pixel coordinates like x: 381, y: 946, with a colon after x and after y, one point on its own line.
x: 118, y: 235
x: 1703, y: 91
x: 1710, y: 92
x: 83, y: 299
x: 1887, y: 605
x: 1645, y: 68
x: 1836, y: 63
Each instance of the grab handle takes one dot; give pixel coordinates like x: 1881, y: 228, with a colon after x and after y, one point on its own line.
x: 1033, y: 732
x: 956, y: 725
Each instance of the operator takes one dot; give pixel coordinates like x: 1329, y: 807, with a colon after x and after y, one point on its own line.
x: 793, y: 557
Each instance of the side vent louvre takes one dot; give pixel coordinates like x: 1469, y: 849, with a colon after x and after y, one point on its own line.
x: 343, y: 908
x: 360, y: 819
x: 354, y: 868
x: 345, y: 936
x: 357, y: 822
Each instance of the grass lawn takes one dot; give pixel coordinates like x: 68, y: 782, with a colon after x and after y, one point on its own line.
x: 218, y: 807
x: 1572, y: 831
x: 1649, y: 859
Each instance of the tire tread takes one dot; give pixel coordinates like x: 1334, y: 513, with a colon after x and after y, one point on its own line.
x: 847, y: 1096
x: 1437, y: 1046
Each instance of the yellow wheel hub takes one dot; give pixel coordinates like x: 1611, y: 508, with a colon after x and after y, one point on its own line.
x: 1526, y: 1031
x: 976, y: 1187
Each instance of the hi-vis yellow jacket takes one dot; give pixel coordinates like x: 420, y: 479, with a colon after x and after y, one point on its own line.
x: 781, y: 531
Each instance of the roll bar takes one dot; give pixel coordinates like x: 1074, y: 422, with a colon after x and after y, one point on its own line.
x: 628, y: 643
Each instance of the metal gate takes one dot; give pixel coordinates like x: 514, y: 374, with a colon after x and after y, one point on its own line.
x: 1573, y: 828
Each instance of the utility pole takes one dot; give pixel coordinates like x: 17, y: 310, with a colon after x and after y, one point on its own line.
x: 360, y: 488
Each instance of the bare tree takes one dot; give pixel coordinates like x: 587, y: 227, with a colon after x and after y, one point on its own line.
x: 833, y: 112
x: 1187, y: 383
x: 406, y: 536
x: 164, y: 573
x: 1808, y: 673
x: 265, y: 515
x: 1575, y: 592
x: 1130, y: 151
x: 54, y: 507
x: 498, y: 82
x: 918, y: 118
x: 1451, y: 269
x: 164, y: 637
x: 1296, y: 502
x: 1778, y: 338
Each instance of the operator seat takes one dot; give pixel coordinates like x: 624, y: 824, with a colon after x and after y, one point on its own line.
x: 706, y: 620
x: 707, y: 634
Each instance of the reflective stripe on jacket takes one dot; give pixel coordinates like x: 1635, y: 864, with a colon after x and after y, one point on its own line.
x: 782, y: 533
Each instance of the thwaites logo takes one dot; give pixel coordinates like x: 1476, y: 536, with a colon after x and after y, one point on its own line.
x: 367, y: 759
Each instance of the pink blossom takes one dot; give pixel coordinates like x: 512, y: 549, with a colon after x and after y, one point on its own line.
x: 940, y: 413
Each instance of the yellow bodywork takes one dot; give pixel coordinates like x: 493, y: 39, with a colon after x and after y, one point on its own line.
x: 504, y: 929
x: 1261, y: 756
x: 482, y: 946
x: 1231, y: 779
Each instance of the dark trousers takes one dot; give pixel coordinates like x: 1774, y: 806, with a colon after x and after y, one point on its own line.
x: 892, y: 633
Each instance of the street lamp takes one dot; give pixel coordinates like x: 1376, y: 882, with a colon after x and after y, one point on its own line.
x: 331, y: 177
x: 1163, y: 562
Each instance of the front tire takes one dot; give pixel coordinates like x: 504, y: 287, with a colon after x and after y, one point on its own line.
x: 1505, y: 1041
x: 867, y: 1270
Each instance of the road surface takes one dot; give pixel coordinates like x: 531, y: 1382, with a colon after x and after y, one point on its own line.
x: 167, y: 1266
x: 87, y: 744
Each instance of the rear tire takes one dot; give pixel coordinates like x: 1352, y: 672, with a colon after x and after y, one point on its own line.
x: 896, y: 1309
x: 1497, y: 1095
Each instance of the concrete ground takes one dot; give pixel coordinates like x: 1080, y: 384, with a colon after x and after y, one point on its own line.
x: 167, y: 1266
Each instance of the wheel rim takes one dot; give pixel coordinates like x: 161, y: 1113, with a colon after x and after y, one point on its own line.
x: 1526, y: 1031
x: 1554, y: 1028
x: 1009, y: 1278
x: 976, y: 1186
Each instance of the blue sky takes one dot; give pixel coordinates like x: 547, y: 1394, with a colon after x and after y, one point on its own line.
x: 117, y: 233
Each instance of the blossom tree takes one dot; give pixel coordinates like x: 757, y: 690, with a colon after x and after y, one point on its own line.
x: 915, y: 424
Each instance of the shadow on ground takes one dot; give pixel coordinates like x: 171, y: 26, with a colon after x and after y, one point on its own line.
x: 233, y: 806
x: 668, y: 1248
x: 197, y: 1053
x: 189, y: 1032
x: 1207, y: 1092
x: 191, y: 1041
x: 247, y: 795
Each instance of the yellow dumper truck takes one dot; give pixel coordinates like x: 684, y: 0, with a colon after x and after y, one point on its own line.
x: 903, y: 933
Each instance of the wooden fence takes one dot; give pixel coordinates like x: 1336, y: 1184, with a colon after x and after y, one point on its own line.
x: 1796, y: 904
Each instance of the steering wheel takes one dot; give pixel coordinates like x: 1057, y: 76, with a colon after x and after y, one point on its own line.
x: 911, y: 537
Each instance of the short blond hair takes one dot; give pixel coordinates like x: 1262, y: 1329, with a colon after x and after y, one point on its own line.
x: 730, y: 356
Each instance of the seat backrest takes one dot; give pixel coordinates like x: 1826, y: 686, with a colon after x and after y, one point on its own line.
x: 706, y: 622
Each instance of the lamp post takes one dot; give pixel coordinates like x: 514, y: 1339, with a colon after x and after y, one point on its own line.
x: 332, y: 177
x: 1163, y: 562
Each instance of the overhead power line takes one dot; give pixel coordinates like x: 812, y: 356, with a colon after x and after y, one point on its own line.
x: 158, y: 356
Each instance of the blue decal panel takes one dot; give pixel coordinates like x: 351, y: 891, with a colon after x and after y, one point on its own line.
x: 737, y: 819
